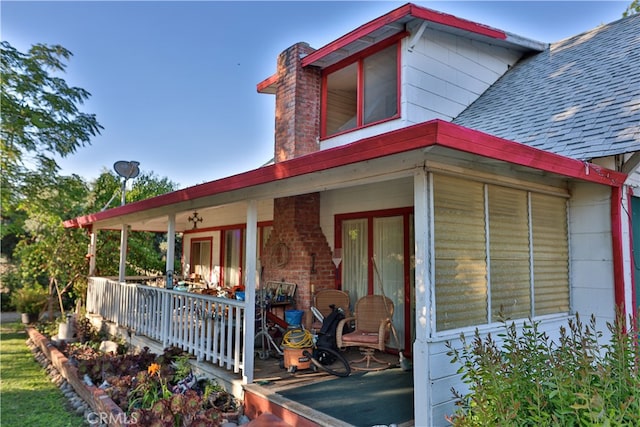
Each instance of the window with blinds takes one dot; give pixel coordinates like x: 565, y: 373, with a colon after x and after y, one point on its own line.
x: 460, y: 253
x: 550, y: 254
x: 500, y: 253
x: 509, y: 266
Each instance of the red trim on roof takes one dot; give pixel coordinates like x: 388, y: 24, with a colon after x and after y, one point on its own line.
x: 265, y: 86
x: 432, y: 133
x: 455, y: 22
x: 482, y: 144
x: 408, y: 9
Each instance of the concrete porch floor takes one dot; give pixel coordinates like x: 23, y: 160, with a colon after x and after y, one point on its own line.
x: 270, y: 380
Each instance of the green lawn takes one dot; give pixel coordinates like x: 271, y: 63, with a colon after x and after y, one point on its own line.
x: 27, y: 395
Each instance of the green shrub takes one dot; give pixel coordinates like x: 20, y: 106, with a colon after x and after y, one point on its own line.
x: 530, y: 380
x: 10, y: 281
x: 30, y: 299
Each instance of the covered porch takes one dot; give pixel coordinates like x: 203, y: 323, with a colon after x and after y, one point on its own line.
x: 291, y: 222
x: 211, y: 329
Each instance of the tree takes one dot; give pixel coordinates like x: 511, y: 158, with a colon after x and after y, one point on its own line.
x: 40, y: 118
x: 145, y: 249
x: 48, y: 254
x: 632, y: 9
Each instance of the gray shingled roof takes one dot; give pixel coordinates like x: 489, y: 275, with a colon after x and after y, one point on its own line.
x: 579, y: 98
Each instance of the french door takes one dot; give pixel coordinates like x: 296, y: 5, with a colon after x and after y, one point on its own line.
x: 377, y: 259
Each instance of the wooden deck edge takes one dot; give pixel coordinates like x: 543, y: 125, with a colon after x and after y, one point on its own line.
x: 259, y: 400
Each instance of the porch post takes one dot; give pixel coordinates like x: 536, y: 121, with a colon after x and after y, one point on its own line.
x: 167, y: 319
x: 250, y: 290
x: 422, y: 395
x: 92, y: 251
x: 171, y: 245
x: 124, y: 236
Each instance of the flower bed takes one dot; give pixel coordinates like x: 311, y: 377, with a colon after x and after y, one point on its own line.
x: 157, y: 389
x: 145, y: 389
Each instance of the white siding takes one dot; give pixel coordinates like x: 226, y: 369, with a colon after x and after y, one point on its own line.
x: 443, y: 373
x: 632, y: 183
x: 446, y: 73
x: 382, y: 195
x: 591, y: 252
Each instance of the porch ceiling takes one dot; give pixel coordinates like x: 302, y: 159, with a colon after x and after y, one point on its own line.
x: 433, y: 145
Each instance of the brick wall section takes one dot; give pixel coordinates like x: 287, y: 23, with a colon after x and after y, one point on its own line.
x: 99, y: 401
x: 296, y: 223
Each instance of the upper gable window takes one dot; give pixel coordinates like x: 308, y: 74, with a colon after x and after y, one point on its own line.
x: 361, y: 91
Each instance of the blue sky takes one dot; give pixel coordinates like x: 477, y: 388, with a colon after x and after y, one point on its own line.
x: 174, y: 83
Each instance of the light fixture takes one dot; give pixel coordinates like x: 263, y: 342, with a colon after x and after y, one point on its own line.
x: 195, y: 219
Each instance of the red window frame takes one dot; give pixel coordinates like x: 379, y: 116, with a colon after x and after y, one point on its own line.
x: 359, y: 59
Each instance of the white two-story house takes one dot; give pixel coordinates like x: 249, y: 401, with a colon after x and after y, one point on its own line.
x: 481, y: 172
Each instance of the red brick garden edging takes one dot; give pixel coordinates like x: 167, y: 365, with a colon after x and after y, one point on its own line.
x: 100, y: 402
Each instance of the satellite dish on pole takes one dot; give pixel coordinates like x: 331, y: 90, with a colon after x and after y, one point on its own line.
x: 126, y: 169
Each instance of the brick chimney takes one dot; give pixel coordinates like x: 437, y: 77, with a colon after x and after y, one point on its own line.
x: 296, y: 219
x: 297, y: 105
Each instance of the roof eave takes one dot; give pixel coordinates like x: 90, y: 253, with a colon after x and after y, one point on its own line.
x: 396, y: 22
x: 432, y: 133
x: 411, y: 11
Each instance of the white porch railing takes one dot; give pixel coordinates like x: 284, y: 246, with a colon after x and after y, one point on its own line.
x: 208, y: 327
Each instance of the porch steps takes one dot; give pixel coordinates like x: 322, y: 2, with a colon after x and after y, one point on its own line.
x: 259, y: 400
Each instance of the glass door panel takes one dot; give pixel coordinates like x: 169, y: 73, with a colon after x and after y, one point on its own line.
x: 355, y: 249
x: 389, y: 262
x: 200, y: 258
x: 232, y: 257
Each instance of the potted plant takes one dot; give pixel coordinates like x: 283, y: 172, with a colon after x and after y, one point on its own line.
x: 29, y: 301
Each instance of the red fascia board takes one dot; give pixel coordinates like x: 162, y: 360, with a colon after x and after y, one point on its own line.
x: 264, y: 86
x: 371, y: 148
x: 435, y: 132
x: 485, y: 145
x: 455, y: 22
x: 358, y: 33
x: 395, y: 15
